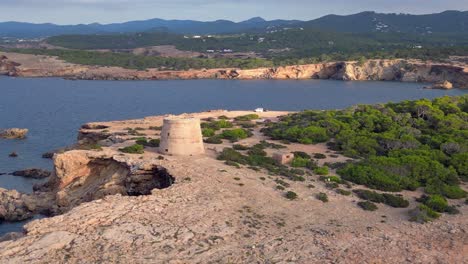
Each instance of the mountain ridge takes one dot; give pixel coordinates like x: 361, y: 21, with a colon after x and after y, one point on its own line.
x: 363, y: 22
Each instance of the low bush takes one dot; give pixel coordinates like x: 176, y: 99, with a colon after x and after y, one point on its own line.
x: 385, y: 198
x: 249, y: 117
x: 423, y: 214
x: 436, y: 202
x: 343, y: 192
x: 208, y: 132
x: 153, y: 143
x: 322, y: 197
x: 321, y: 170
x: 134, y: 149
x: 217, y: 125
x: 291, y: 195
x: 320, y: 156
x: 367, y: 206
x: 302, y: 154
x: 213, y: 140
x: 235, y: 134
x: 240, y: 147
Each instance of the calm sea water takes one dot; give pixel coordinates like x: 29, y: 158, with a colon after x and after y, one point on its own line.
x: 53, y: 109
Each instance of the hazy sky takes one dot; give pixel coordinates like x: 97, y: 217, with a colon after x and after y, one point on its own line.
x: 106, y: 11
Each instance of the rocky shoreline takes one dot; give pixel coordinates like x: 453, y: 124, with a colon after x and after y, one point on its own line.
x: 160, y: 208
x: 25, y: 65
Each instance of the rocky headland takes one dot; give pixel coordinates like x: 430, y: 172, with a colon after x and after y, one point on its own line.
x: 25, y: 65
x: 111, y: 206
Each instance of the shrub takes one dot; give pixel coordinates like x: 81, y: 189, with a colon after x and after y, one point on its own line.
x: 154, y: 143
x: 320, y: 156
x: 436, y: 203
x: 157, y: 128
x: 335, y: 179
x: 343, y: 192
x: 452, y: 210
x: 208, y: 132
x: 213, y: 140
x: 453, y: 192
x: 279, y: 187
x: 367, y: 206
x: 135, y: 149
x: 229, y: 154
x: 423, y: 214
x: 302, y: 154
x: 235, y: 134
x: 240, y: 147
x: 249, y: 117
x: 291, y: 195
x: 321, y: 170
x: 322, y: 197
x: 223, y: 117
x: 256, y: 151
x: 388, y: 199
x: 300, y: 162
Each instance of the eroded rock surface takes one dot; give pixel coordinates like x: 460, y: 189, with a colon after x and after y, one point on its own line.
x: 13, y: 133
x: 376, y: 70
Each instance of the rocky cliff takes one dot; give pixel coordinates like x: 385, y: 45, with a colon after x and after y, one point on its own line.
x: 25, y: 65
x: 144, y: 208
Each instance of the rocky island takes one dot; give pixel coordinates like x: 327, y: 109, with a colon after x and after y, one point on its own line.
x: 250, y: 196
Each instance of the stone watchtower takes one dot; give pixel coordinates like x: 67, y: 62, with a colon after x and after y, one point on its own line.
x: 181, y: 136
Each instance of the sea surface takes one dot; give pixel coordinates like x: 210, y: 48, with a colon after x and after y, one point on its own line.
x: 53, y: 109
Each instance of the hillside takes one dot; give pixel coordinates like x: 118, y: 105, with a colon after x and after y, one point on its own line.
x: 448, y: 21
x: 366, y: 22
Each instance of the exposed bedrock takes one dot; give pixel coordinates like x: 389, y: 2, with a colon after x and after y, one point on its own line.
x: 83, y: 176
x: 376, y: 70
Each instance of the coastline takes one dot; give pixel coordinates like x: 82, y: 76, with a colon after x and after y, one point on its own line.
x: 26, y: 65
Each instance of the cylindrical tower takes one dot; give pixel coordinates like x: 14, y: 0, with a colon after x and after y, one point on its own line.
x: 181, y: 136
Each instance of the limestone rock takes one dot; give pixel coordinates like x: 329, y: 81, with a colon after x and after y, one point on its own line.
x: 33, y: 173
x: 14, y: 133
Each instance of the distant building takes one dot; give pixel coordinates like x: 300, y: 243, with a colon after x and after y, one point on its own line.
x: 259, y: 110
x: 210, y: 51
x: 196, y: 37
x: 283, y: 158
x: 227, y: 50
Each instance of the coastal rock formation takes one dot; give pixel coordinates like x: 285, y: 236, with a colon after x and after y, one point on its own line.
x: 375, y: 70
x: 141, y: 208
x: 14, y: 133
x: 15, y: 206
x: 32, y: 173
x: 446, y: 85
x: 83, y: 176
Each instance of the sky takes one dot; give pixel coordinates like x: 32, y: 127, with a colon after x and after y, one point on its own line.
x: 108, y: 11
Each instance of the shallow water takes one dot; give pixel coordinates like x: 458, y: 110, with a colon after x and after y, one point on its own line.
x: 53, y: 109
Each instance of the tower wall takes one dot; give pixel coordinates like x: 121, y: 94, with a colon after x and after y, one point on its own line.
x: 181, y: 136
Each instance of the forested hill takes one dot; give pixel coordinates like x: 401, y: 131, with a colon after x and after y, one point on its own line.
x: 448, y: 21
x: 365, y: 22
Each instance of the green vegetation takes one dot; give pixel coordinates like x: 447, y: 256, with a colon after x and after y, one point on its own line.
x: 248, y: 117
x: 322, y: 197
x: 235, y: 135
x: 321, y: 170
x: 304, y: 46
x: 343, y: 192
x: 217, y: 125
x: 134, y: 149
x: 423, y: 214
x: 385, y: 198
x: 257, y: 159
x: 291, y: 195
x: 367, y: 206
x: 153, y: 143
x: 400, y: 146
x: 208, y: 132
